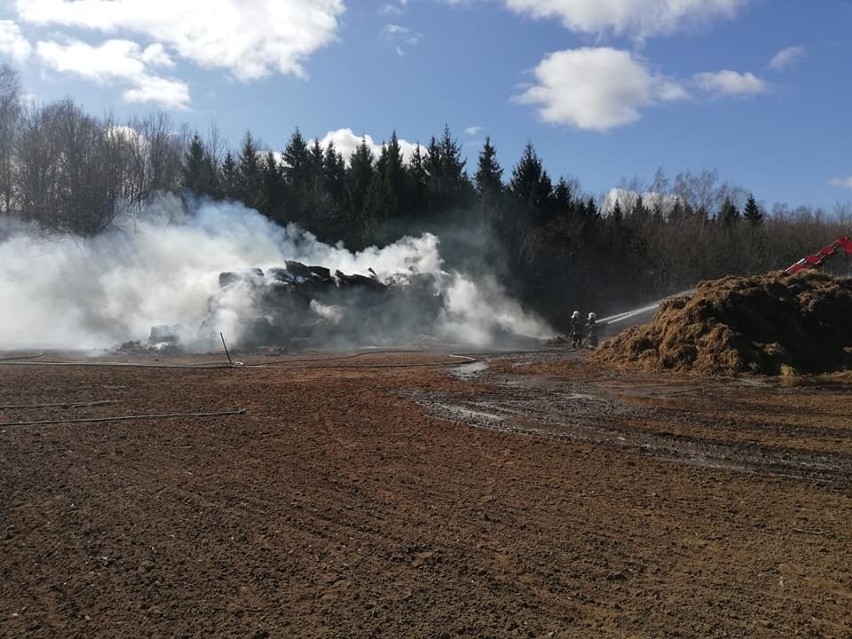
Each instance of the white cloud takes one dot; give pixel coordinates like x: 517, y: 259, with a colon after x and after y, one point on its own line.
x: 249, y: 38
x: 401, y: 36
x: 596, y: 88
x: 730, y: 83
x: 639, y: 18
x: 390, y: 9
x: 118, y: 62
x: 162, y: 91
x: 156, y: 55
x: 786, y: 58
x: 843, y: 183
x: 12, y: 41
x: 345, y: 141
x: 473, y: 130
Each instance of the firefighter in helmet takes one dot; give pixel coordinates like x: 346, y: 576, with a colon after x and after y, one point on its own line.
x: 575, y: 330
x: 592, y: 327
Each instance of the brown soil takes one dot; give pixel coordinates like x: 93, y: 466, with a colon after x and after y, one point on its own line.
x: 423, y: 495
x: 769, y: 324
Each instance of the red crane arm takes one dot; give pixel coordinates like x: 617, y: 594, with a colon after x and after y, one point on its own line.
x: 812, y: 261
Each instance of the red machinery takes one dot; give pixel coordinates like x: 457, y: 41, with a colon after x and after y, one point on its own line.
x: 812, y: 261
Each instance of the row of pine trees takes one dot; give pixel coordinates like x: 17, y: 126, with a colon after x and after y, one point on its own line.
x: 550, y: 245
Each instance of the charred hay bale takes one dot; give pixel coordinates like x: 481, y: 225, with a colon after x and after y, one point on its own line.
x: 359, y: 281
x: 297, y: 269
x: 321, y: 272
x: 250, y: 276
x: 227, y: 278
x: 768, y: 324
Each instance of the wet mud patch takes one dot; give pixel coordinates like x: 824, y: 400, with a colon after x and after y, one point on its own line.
x: 710, y: 423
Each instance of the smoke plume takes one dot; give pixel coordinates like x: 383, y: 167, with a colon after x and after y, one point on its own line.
x: 161, y: 268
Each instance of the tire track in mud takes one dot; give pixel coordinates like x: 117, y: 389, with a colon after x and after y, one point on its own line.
x: 590, y: 412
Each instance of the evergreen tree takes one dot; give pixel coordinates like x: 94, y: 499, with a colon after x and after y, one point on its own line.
x: 459, y: 186
x: 562, y: 201
x: 319, y: 203
x: 297, y: 168
x: 334, y: 172
x: 388, y: 187
x: 448, y: 186
x: 229, y: 181
x: 317, y: 164
x: 359, y: 176
x: 530, y: 187
x: 334, y: 169
x: 591, y: 209
x: 617, y: 214
x: 640, y: 212
x: 417, y: 183
x: 296, y: 160
x: 249, y: 175
x: 198, y: 172
x: 394, y: 174
x: 272, y: 179
x: 386, y: 200
x: 488, y: 180
x: 728, y: 214
x: 752, y: 213
x: 434, y: 170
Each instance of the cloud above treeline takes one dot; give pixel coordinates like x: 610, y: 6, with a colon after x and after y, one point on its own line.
x: 786, y: 58
x: 119, y: 62
x: 841, y: 182
x: 596, y: 88
x: 346, y: 141
x: 12, y: 41
x: 601, y: 88
x: 632, y: 18
x: 247, y: 39
x: 142, y: 48
x: 401, y: 37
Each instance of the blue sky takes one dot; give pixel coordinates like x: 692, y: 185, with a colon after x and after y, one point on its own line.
x: 606, y: 90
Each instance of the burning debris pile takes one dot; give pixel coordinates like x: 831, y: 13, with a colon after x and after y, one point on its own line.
x: 769, y: 324
x: 307, y: 306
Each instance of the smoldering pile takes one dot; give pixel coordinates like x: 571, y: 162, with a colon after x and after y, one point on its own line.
x: 298, y: 305
x: 769, y: 324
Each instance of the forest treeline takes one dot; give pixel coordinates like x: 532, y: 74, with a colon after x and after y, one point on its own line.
x: 552, y: 246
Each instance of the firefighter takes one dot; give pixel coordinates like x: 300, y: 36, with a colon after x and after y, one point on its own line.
x: 592, y: 326
x: 575, y: 330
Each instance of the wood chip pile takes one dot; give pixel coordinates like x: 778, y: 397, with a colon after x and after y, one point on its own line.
x: 771, y: 324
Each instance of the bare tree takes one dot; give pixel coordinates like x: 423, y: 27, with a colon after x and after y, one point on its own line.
x: 700, y: 192
x: 116, y: 146
x: 73, y: 170
x: 158, y: 151
x: 38, y: 166
x: 10, y: 121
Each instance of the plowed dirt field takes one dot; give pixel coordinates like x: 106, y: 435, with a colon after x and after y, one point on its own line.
x: 421, y: 494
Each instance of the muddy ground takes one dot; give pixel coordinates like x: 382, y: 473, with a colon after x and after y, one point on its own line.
x: 418, y: 494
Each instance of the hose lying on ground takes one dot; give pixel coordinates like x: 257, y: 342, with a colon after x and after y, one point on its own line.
x: 318, y: 362
x: 102, y: 402
x: 239, y: 411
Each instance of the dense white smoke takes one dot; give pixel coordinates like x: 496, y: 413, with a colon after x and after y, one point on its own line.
x: 161, y: 268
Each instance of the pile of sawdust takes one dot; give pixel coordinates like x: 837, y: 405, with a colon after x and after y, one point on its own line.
x: 771, y: 324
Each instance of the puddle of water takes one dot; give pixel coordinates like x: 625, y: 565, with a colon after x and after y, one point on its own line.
x: 468, y: 371
x: 583, y: 396
x: 466, y: 413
